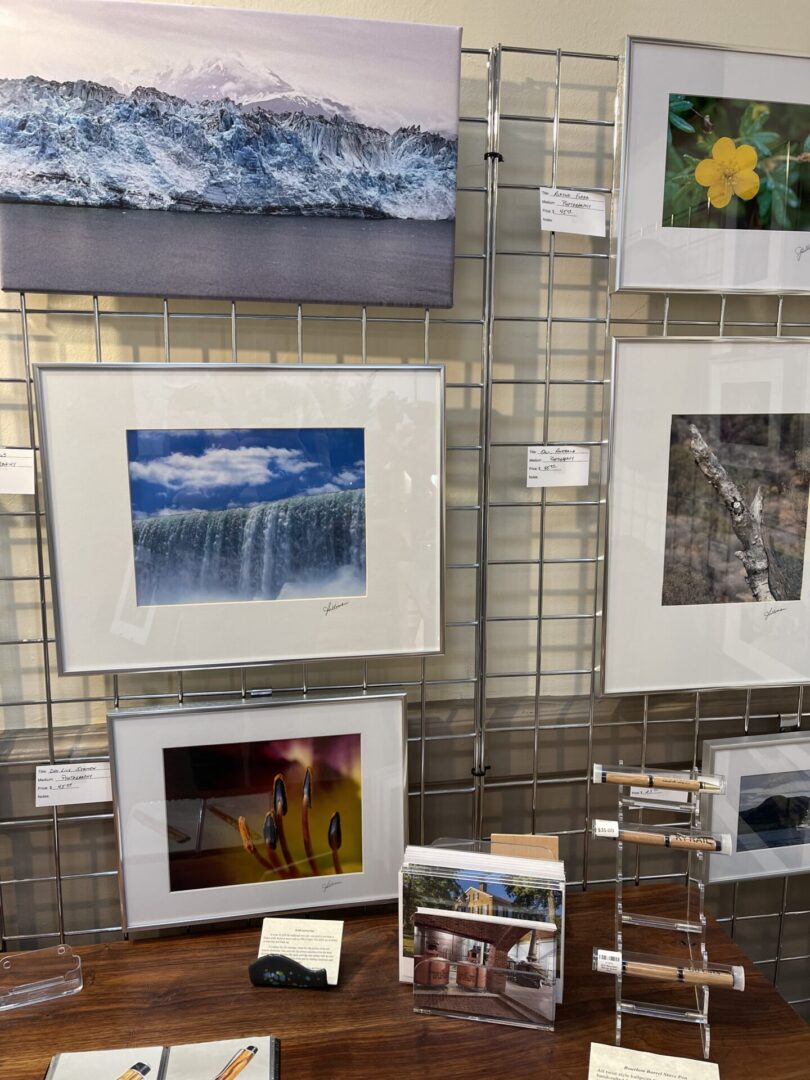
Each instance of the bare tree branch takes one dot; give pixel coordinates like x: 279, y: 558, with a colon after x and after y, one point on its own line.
x: 745, y: 521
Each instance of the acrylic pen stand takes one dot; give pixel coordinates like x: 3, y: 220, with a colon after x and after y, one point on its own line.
x: 28, y: 978
x: 682, y: 815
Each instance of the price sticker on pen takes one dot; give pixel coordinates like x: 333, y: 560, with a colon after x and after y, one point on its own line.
x: 557, y: 466
x: 609, y: 829
x: 609, y: 962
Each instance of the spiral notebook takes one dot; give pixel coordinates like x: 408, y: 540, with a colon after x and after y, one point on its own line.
x: 254, y: 1057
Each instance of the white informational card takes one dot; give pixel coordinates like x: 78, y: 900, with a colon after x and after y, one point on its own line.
x: 315, y: 943
x: 658, y: 795
x: 618, y: 1063
x: 563, y: 210
x: 557, y: 466
x: 80, y: 782
x: 16, y: 471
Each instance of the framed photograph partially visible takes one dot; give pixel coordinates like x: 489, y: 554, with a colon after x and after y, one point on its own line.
x: 229, y: 152
x: 708, y: 582
x: 765, y: 807
x: 214, y: 515
x: 715, y: 183
x: 231, y: 810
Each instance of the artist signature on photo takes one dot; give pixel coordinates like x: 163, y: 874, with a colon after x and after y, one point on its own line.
x: 774, y: 611
x: 802, y: 249
x: 330, y: 607
x: 330, y: 885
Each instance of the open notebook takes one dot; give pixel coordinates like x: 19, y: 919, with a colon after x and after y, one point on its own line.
x: 252, y: 1057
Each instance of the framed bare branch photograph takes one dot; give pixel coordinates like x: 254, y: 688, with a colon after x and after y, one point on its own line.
x: 707, y: 535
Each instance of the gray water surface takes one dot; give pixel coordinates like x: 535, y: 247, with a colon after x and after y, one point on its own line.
x: 234, y: 256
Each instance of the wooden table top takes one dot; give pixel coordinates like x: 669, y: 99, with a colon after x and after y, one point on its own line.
x: 195, y: 988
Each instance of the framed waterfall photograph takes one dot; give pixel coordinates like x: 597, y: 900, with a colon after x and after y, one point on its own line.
x: 765, y: 807
x: 232, y: 153
x: 715, y: 176
x: 228, y: 515
x: 225, y: 811
x: 707, y: 579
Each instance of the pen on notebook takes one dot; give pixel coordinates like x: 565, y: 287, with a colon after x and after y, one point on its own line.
x: 135, y: 1072
x: 665, y: 781
x: 655, y: 838
x: 238, y: 1062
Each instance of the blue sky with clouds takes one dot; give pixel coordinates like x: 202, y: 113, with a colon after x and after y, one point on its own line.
x: 200, y: 469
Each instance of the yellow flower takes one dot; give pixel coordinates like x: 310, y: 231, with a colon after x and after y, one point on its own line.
x: 729, y: 171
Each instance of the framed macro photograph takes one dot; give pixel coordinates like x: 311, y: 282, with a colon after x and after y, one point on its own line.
x: 708, y: 583
x: 247, y: 514
x: 231, y: 153
x: 715, y: 183
x: 765, y: 807
x: 232, y: 810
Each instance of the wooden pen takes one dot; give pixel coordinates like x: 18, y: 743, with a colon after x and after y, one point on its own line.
x: 683, y: 841
x: 238, y: 1062
x: 135, y: 1072
x: 613, y: 963
x: 666, y: 781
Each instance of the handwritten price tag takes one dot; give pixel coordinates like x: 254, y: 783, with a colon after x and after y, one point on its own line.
x: 562, y: 210
x: 557, y: 466
x: 64, y: 785
x: 16, y: 472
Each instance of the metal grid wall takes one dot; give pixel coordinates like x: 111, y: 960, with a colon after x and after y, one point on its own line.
x: 504, y: 728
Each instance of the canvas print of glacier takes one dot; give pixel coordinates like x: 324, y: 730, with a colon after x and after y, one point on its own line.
x: 197, y: 151
x: 247, y: 514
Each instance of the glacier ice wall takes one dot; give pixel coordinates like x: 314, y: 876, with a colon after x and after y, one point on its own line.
x: 306, y: 545
x: 83, y: 144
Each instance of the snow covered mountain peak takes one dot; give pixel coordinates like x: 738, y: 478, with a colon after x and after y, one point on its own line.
x: 252, y: 86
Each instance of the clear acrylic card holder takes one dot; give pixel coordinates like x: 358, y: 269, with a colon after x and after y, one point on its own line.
x: 484, y: 969
x: 27, y: 978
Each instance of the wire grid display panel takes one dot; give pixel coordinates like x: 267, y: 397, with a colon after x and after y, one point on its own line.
x: 504, y: 728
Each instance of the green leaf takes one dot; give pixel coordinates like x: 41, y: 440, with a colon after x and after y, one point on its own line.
x: 764, y: 204
x: 680, y: 124
x: 679, y: 104
x: 806, y: 145
x: 753, y: 119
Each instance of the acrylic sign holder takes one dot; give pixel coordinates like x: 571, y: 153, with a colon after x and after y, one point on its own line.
x: 681, y: 831
x: 27, y: 978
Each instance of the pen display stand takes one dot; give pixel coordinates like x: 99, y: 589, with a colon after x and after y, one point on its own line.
x: 27, y: 978
x: 680, y: 831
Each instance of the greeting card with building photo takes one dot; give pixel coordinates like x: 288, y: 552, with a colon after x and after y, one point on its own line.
x: 484, y: 967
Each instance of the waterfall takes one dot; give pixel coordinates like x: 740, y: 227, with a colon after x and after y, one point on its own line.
x: 307, y: 545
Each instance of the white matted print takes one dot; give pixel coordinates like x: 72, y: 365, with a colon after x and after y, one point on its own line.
x: 244, y: 513
x: 233, y: 810
x: 708, y: 583
x: 715, y: 187
x: 765, y: 807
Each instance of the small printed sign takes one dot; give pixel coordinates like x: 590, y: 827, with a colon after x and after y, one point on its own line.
x: 16, y: 471
x: 557, y: 466
x: 82, y: 782
x: 564, y: 210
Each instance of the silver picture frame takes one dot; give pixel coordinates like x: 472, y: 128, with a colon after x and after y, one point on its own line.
x: 403, y: 619
x: 768, y: 781
x: 693, y: 280
x: 634, y: 627
x: 138, y: 739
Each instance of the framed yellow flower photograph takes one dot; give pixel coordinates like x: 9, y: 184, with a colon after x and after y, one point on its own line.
x: 715, y: 186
